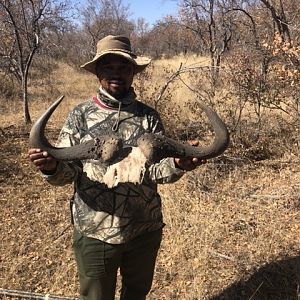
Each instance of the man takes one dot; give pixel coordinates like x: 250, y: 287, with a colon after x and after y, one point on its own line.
x: 118, y: 227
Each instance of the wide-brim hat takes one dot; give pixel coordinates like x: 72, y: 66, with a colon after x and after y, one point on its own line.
x: 118, y: 45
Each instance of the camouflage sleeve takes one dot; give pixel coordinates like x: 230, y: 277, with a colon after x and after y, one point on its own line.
x: 69, y: 135
x: 165, y: 171
x: 65, y: 174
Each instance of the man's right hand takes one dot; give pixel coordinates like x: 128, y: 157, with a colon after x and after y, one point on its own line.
x: 42, y: 160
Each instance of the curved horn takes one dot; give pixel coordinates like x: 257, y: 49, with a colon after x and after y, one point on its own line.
x: 156, y: 147
x: 103, y: 148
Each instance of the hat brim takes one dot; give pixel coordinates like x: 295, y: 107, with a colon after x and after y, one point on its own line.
x: 140, y: 62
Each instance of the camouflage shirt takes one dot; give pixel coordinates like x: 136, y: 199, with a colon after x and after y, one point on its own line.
x: 118, y: 214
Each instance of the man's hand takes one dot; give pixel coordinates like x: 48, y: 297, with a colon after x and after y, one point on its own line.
x: 189, y: 163
x: 42, y: 160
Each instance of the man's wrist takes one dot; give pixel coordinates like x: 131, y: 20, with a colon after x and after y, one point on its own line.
x: 177, y: 165
x: 49, y: 172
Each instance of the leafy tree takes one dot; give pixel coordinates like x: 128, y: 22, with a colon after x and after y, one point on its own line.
x: 103, y: 17
x: 211, y: 26
x: 23, y: 23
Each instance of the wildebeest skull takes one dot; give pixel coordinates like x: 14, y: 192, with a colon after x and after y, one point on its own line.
x: 107, y: 148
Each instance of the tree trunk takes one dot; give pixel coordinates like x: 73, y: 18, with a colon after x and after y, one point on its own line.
x: 26, y: 113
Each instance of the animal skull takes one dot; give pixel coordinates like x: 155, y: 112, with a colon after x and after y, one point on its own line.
x: 107, y: 148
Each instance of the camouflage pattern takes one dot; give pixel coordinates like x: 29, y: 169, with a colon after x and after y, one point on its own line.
x: 119, y: 214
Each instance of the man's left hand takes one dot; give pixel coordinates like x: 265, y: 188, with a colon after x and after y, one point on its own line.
x: 189, y: 163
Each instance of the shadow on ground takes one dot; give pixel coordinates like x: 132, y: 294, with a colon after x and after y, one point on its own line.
x: 279, y: 280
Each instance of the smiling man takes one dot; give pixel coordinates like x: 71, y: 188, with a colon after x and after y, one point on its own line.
x: 115, y: 74
x: 119, y: 226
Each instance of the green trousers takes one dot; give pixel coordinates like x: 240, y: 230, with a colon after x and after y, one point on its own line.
x: 98, y: 264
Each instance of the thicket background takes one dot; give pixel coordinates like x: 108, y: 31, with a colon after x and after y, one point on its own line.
x: 232, y: 225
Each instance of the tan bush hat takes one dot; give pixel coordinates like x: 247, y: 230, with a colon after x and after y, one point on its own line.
x: 119, y: 45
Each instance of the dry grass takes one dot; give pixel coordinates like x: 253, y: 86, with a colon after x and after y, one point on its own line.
x: 232, y: 226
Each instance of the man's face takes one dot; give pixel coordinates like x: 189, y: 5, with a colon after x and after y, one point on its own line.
x: 115, y: 74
